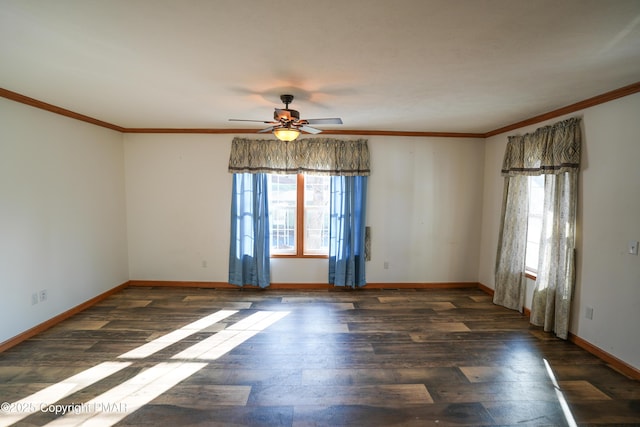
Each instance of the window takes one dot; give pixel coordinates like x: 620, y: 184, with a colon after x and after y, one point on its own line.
x: 299, y: 215
x: 534, y: 224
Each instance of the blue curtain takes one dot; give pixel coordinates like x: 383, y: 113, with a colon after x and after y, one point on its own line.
x: 249, y: 250
x: 347, y: 231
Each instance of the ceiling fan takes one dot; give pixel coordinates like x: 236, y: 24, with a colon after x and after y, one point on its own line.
x: 286, y: 124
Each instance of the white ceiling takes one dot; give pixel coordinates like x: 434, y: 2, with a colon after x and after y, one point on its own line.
x: 396, y: 65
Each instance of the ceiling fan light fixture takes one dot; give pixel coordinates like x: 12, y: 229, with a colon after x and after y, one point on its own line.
x: 286, y: 133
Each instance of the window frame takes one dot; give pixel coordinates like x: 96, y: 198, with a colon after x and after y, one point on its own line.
x: 300, y: 230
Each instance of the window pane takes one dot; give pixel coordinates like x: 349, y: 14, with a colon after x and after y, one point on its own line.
x: 534, y: 227
x: 282, y: 213
x: 316, y: 215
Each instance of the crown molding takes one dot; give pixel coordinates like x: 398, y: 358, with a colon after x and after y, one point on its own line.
x: 324, y: 132
x: 14, y: 96
x: 596, y: 100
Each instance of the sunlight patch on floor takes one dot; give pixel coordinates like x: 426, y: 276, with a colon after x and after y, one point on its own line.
x: 571, y: 422
x: 177, y: 335
x: 40, y: 400
x: 228, y: 339
x: 121, y: 400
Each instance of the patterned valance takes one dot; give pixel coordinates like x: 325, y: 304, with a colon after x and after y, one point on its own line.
x: 320, y: 156
x: 551, y: 149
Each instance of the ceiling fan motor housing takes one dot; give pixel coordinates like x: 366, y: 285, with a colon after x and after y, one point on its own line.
x: 286, y: 115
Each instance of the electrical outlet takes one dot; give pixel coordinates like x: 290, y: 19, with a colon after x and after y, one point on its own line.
x: 633, y: 247
x: 386, y: 265
x: 43, y: 295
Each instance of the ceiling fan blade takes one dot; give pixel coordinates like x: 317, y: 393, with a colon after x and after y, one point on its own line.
x: 331, y: 121
x: 265, y: 130
x: 256, y: 121
x: 309, y: 129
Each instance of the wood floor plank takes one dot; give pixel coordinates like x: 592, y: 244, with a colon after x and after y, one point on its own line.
x: 578, y: 391
x: 381, y: 395
x: 483, y: 374
x: 204, y: 396
x: 447, y: 357
x: 427, y: 376
x: 526, y: 413
x: 496, y: 391
x: 445, y: 415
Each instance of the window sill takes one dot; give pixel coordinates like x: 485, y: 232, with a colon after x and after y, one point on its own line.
x: 300, y: 256
x: 530, y: 275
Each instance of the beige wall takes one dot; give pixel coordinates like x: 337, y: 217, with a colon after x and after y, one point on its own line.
x: 608, y: 278
x: 423, y: 201
x: 178, y: 205
x: 62, y: 214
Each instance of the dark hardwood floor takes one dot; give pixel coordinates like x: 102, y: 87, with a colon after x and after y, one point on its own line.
x: 212, y: 357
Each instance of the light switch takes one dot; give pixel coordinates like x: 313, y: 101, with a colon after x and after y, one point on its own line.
x: 633, y: 247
